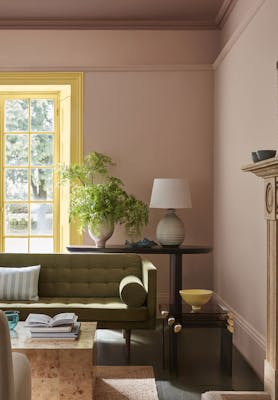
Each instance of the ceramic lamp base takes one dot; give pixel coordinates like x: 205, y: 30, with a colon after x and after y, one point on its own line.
x: 170, y: 230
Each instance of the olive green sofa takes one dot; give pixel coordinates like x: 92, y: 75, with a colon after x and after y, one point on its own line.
x: 87, y: 284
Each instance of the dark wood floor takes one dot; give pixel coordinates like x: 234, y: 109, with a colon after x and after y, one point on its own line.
x: 199, y: 366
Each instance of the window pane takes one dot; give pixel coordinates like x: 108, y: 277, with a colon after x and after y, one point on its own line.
x: 42, y: 150
x: 41, y: 245
x: 16, y: 115
x: 18, y: 245
x: 16, y: 181
x: 41, y: 184
x: 16, y: 219
x: 16, y: 147
x: 42, y: 115
x: 41, y: 219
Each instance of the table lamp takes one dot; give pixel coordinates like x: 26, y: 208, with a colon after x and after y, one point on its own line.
x: 170, y: 193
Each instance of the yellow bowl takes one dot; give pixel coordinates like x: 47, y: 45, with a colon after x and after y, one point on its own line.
x: 196, y: 297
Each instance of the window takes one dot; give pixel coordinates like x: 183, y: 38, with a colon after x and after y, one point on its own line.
x: 30, y: 151
x: 41, y: 124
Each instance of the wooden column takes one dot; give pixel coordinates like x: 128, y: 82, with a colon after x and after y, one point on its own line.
x: 268, y: 170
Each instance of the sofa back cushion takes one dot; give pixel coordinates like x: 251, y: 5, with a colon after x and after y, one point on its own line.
x: 78, y: 275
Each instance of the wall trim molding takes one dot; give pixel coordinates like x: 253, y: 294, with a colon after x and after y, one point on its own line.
x: 224, y: 12
x: 105, y: 24
x: 111, y: 68
x: 240, y: 321
x: 120, y: 23
x: 237, y: 33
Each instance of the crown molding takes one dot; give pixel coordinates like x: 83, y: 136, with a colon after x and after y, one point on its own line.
x: 123, y: 24
x: 257, y: 4
x: 110, y: 68
x: 106, y: 24
x: 224, y: 12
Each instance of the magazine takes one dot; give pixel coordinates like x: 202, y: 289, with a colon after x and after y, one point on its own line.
x: 45, y: 321
x: 74, y: 334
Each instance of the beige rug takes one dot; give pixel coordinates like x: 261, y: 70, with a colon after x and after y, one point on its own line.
x: 124, y: 383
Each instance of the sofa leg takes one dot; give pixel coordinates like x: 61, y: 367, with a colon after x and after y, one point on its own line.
x: 127, y: 335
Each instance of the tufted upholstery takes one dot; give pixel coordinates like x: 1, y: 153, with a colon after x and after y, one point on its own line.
x: 87, y: 284
x: 64, y: 275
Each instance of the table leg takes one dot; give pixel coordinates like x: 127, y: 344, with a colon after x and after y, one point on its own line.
x: 175, y: 284
x: 226, y: 350
x: 173, y: 353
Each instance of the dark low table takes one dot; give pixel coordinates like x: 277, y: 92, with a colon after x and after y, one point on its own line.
x: 211, y: 315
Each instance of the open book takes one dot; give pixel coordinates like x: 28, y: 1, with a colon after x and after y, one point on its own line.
x: 55, y: 333
x: 45, y: 321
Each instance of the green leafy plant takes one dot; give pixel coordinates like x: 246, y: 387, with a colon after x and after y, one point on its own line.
x: 96, y: 196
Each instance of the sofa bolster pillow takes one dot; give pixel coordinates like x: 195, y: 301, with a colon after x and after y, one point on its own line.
x: 20, y: 283
x: 132, y: 291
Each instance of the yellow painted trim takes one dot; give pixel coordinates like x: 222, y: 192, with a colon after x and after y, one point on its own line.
x: 1, y: 176
x: 55, y: 202
x: 76, y: 82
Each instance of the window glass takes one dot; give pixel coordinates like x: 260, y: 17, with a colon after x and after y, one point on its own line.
x: 16, y: 115
x: 29, y: 141
x: 16, y: 150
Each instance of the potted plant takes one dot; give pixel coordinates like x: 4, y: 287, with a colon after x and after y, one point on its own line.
x: 98, y: 200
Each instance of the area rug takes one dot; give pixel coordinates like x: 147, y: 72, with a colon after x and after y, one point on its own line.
x: 124, y: 383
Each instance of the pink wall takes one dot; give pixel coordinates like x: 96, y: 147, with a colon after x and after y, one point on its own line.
x: 158, y: 124
x: 83, y: 48
x: 245, y: 120
x: 148, y: 104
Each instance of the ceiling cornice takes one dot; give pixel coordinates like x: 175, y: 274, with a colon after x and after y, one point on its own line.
x: 132, y: 24
x: 224, y: 12
x: 105, y: 24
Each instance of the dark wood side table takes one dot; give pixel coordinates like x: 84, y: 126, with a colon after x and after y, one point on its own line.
x: 211, y: 315
x: 175, y: 254
x: 175, y: 281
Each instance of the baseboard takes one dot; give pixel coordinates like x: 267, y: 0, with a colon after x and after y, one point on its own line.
x: 250, y: 343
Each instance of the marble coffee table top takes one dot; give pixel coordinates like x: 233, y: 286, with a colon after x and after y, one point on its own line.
x: 21, y: 339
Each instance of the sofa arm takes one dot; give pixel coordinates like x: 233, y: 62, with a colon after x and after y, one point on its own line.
x: 149, y: 282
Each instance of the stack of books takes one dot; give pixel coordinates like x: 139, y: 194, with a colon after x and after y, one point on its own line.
x: 61, y: 326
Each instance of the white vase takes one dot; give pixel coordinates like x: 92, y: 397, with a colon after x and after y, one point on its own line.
x: 170, y: 230
x: 101, y: 233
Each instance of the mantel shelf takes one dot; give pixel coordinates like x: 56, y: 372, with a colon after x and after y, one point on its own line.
x: 265, y: 169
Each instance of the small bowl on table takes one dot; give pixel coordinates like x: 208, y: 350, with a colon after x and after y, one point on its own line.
x: 13, y: 318
x: 196, y: 297
x: 265, y: 154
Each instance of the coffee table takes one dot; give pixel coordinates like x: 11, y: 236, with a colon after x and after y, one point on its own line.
x: 61, y: 369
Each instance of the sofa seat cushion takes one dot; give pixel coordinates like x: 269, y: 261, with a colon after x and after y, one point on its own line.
x: 87, y: 308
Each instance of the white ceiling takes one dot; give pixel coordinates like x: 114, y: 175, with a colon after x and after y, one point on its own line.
x: 105, y: 14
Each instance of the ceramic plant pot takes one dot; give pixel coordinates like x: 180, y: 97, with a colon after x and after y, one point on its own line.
x: 101, y: 233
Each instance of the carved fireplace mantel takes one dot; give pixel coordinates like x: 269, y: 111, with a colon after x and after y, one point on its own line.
x: 268, y: 170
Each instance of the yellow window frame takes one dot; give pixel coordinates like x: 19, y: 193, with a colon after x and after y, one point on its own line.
x: 70, y: 87
x: 56, y: 192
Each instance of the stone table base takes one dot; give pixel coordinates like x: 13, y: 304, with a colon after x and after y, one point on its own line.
x: 61, y: 369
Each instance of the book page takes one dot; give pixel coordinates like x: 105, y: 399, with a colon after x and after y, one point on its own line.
x: 63, y: 318
x: 38, y: 319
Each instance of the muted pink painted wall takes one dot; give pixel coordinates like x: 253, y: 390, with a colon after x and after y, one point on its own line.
x: 245, y: 121
x: 158, y: 125
x: 154, y: 123
x: 103, y: 48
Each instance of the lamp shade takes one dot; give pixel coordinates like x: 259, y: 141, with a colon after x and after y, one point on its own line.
x: 170, y: 193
